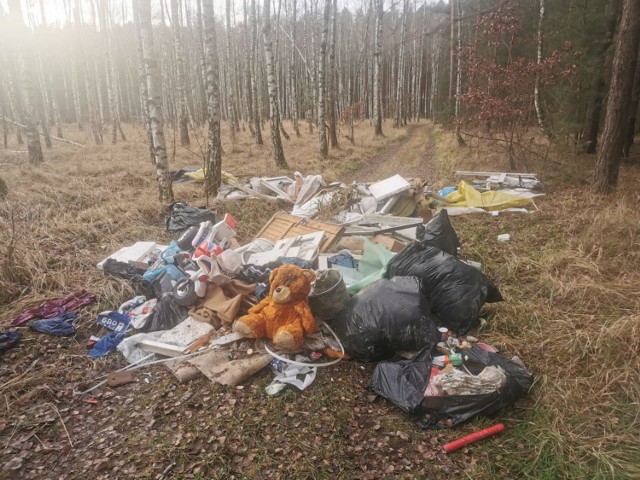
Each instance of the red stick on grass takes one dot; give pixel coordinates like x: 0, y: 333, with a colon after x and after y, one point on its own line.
x: 472, y: 437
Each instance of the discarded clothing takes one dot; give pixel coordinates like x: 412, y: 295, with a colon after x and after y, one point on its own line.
x: 106, y: 344
x: 258, y: 275
x: 114, y: 321
x: 53, y: 308
x: 165, y: 264
x: 60, y: 326
x: 8, y: 340
x: 344, y: 259
x: 221, y: 303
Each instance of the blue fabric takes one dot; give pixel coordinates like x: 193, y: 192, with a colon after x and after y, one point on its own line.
x: 61, y: 326
x: 344, y: 259
x: 106, y: 344
x: 115, y: 321
x: 9, y: 340
x: 168, y: 266
x: 446, y: 191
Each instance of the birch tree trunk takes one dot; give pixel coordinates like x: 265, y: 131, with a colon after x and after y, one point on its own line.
x: 276, y: 141
x: 231, y: 104
x: 142, y: 81
x: 377, y: 73
x: 152, y: 76
x: 456, y: 112
x: 25, y: 61
x: 332, y: 90
x: 322, y: 87
x: 542, y: 124
x: 398, y: 121
x: 605, y: 177
x: 183, y: 118
x: 106, y: 32
x: 214, y: 147
x: 292, y: 74
x: 254, y: 75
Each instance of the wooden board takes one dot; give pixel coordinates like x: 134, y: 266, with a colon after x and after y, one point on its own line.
x: 283, y: 225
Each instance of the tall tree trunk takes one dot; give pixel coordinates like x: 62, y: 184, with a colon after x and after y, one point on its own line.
x: 27, y: 76
x: 276, y: 141
x: 231, y: 104
x: 332, y: 90
x: 254, y: 74
x: 398, y: 121
x: 214, y: 150
x: 109, y: 73
x: 630, y: 130
x: 456, y: 112
x: 152, y: 74
x: 322, y: 87
x: 605, y: 176
x: 377, y: 73
x: 597, y: 98
x: 542, y: 124
x: 142, y: 81
x: 183, y: 118
x: 292, y: 73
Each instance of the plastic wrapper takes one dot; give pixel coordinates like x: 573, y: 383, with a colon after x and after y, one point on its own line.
x: 384, y: 318
x: 455, y: 290
x: 371, y: 267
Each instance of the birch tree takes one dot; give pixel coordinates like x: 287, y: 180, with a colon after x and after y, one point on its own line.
x: 276, y: 141
x: 25, y: 61
x: 214, y: 148
x: 377, y: 74
x: 322, y: 87
x: 183, y: 119
x: 154, y: 90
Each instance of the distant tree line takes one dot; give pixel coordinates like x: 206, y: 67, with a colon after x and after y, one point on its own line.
x: 500, y: 67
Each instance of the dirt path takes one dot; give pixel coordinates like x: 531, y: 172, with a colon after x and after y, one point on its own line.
x: 409, y: 157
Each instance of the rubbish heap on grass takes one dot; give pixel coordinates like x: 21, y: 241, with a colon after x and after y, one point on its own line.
x: 361, y: 272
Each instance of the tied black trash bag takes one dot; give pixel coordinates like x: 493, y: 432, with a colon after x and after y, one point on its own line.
x: 439, y: 233
x: 386, y: 317
x: 182, y: 216
x: 404, y: 383
x: 455, y: 290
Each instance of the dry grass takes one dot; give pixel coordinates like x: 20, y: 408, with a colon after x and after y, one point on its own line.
x: 572, y: 283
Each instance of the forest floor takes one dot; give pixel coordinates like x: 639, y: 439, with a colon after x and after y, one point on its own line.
x: 569, y: 276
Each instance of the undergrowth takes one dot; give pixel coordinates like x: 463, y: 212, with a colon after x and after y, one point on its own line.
x: 572, y: 312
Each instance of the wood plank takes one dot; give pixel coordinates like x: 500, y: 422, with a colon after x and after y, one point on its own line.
x: 299, y: 226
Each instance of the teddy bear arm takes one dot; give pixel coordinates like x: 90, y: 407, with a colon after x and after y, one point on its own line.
x: 251, y: 325
x: 306, y: 318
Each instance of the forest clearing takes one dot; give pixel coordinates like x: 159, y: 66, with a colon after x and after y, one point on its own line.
x: 240, y: 94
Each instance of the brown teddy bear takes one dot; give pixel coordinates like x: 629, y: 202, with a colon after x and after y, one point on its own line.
x: 284, y: 316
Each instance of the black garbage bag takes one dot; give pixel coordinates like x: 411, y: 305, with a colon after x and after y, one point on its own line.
x: 439, y: 233
x: 165, y: 315
x: 119, y: 269
x: 386, y: 317
x: 182, y: 216
x: 455, y: 290
x: 404, y: 383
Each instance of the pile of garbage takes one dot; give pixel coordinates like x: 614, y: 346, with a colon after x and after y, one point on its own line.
x: 383, y: 279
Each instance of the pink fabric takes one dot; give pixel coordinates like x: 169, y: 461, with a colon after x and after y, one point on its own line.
x: 56, y: 307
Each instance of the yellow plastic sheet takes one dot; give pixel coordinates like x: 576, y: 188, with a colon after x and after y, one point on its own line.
x: 467, y: 196
x: 198, y: 176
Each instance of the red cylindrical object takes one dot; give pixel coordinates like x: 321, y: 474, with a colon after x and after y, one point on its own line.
x: 472, y: 437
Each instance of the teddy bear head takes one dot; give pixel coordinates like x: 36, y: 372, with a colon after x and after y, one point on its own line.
x: 290, y: 283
